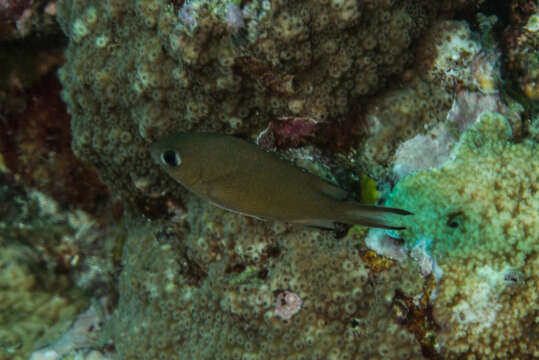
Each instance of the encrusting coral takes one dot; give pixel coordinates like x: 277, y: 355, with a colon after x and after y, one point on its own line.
x: 404, y: 127
x: 35, y: 306
x: 218, y: 279
x: 51, y: 261
x: 522, y: 42
x: 139, y: 70
x: 480, y: 210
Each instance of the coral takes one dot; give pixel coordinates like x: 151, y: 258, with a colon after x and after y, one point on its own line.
x: 70, y: 242
x: 302, y: 74
x: 436, y: 147
x: 36, y: 147
x: 521, y: 43
x: 396, y: 117
x: 480, y: 210
x: 414, y: 127
x: 534, y: 128
x: 451, y: 55
x: 286, y: 132
x: 50, y: 259
x: 290, y: 131
x: 220, y: 276
x: 136, y: 71
x: 35, y: 304
x: 520, y: 10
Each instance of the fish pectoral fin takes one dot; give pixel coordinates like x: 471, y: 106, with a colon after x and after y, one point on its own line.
x: 318, y: 223
x: 332, y: 191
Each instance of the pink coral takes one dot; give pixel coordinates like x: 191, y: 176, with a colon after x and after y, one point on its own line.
x: 287, y: 305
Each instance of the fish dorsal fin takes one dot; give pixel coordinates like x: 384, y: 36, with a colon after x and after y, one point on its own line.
x: 332, y: 191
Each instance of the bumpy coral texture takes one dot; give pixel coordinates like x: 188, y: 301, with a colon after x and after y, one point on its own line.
x: 522, y: 43
x: 211, y: 293
x: 50, y: 259
x: 35, y: 306
x: 481, y: 212
x: 449, y: 58
x: 138, y: 70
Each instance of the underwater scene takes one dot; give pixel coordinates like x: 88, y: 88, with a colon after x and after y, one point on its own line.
x: 269, y: 179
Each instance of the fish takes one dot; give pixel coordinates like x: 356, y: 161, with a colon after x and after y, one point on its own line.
x: 239, y: 176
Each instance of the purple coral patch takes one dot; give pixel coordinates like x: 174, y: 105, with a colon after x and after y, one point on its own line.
x: 289, y: 131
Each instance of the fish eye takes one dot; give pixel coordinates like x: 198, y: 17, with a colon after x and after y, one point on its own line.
x: 171, y: 158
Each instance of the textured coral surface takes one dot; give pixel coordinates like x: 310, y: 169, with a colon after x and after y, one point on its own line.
x: 214, y: 289
x: 480, y: 210
x: 437, y: 97
x: 138, y: 70
x: 37, y: 298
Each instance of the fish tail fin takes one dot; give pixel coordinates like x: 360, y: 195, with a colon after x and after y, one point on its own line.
x: 374, y: 216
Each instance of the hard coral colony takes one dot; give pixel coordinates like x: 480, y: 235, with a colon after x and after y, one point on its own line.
x: 436, y: 101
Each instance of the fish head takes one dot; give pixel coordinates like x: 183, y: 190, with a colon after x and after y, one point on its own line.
x: 174, y: 154
x: 166, y: 152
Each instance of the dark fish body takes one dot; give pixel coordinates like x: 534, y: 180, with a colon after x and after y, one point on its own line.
x: 241, y: 177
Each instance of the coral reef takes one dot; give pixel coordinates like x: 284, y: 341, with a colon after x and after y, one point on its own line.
x: 51, y: 260
x: 37, y: 299
x: 214, y: 293
x: 398, y: 90
x: 395, y: 117
x: 436, y: 147
x: 405, y: 127
x: 136, y: 71
x: 35, y: 306
x: 480, y: 210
